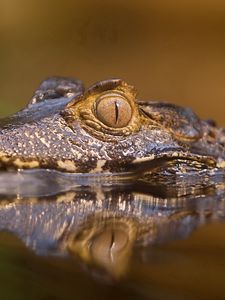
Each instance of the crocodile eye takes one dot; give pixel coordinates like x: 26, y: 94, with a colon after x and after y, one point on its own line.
x: 113, y: 110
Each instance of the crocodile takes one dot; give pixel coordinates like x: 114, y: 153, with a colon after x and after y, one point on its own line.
x: 66, y: 131
x: 106, y: 129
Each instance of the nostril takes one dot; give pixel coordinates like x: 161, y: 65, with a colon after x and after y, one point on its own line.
x: 211, y: 122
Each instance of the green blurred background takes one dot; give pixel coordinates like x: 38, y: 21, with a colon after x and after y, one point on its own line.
x: 171, y: 50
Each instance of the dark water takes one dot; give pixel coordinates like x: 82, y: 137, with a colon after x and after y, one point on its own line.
x: 147, y: 239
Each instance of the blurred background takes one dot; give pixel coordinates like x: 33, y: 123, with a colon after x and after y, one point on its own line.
x: 170, y: 50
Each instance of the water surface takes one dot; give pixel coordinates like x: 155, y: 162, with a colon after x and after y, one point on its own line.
x: 144, y: 239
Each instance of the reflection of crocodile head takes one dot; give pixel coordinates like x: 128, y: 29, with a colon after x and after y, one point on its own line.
x: 103, y: 226
x: 106, y: 130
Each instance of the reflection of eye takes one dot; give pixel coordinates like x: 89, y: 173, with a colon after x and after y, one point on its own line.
x: 113, y: 110
x: 108, y: 243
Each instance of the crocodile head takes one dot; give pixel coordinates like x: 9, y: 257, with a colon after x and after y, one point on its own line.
x: 105, y: 129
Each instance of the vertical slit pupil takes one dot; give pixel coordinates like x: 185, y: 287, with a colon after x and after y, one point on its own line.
x: 112, y: 240
x: 116, y: 111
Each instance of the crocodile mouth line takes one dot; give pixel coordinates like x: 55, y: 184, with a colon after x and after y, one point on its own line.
x: 41, y: 182
x: 130, y: 170
x: 103, y: 168
x: 141, y: 166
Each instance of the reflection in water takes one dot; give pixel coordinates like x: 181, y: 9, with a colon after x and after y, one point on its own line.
x: 104, y: 242
x: 103, y: 226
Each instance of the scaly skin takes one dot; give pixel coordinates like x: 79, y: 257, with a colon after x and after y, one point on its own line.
x: 62, y: 129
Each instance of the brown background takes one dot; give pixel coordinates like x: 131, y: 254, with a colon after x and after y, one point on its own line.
x: 171, y: 50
